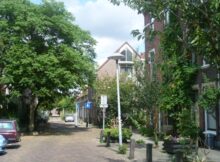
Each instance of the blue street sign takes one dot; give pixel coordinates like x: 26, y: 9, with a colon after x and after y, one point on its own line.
x: 88, y: 105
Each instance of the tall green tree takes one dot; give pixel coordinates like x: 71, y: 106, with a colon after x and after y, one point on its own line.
x: 147, y: 94
x: 107, y: 86
x: 192, y: 29
x: 198, y: 21
x: 43, y: 52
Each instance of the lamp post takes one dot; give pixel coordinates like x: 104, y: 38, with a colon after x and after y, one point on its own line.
x: 117, y: 57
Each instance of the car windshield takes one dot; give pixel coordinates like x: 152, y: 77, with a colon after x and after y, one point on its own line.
x: 6, y: 125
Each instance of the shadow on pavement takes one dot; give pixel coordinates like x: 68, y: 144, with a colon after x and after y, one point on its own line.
x: 60, y: 129
x: 3, y: 153
x: 13, y: 146
x: 114, y: 160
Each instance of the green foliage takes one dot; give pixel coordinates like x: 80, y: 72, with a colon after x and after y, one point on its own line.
x: 209, y: 97
x: 66, y: 103
x: 193, y: 29
x: 187, y: 127
x: 126, y: 133
x: 122, y: 149
x: 149, y: 132
x: 43, y: 53
x: 42, y: 49
x: 197, y: 24
x: 108, y: 87
x: 140, y: 141
x: 147, y: 98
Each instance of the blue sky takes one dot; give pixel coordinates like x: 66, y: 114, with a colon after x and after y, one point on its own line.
x: 110, y: 25
x: 36, y: 1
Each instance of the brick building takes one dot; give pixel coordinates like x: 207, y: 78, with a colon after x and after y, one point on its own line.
x: 209, y: 120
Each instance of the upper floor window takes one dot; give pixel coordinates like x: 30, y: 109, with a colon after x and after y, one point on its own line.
x: 152, y: 19
x: 128, y: 55
x: 151, y: 56
x: 153, y: 67
x: 166, y: 16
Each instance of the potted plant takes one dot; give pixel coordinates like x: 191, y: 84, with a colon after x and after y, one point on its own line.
x: 173, y: 144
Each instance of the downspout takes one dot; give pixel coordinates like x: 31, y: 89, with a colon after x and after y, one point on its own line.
x: 218, y: 86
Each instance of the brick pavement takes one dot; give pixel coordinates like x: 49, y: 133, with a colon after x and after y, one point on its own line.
x: 62, y: 143
x: 65, y: 143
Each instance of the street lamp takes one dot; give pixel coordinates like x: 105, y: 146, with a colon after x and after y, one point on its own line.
x: 117, y: 57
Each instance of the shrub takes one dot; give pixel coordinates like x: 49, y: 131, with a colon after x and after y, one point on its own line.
x: 149, y: 132
x: 126, y: 133
x: 122, y: 149
x: 140, y: 142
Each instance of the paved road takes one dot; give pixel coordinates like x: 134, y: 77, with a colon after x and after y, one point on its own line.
x: 62, y: 143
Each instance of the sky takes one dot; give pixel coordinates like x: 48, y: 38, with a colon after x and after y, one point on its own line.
x: 109, y: 25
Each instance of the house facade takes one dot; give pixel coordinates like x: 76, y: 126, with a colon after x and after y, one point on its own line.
x: 106, y: 70
x: 208, y: 76
x: 209, y: 120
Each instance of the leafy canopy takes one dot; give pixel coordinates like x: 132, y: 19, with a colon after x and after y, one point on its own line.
x: 42, y: 49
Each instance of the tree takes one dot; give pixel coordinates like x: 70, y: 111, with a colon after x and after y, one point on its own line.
x: 43, y: 53
x: 179, y: 40
x: 198, y: 23
x: 66, y: 104
x: 147, y: 94
x: 107, y: 86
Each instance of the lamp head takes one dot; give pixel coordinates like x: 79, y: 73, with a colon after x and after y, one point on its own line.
x: 116, y: 56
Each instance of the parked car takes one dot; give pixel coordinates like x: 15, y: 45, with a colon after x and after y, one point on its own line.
x: 69, y: 118
x: 3, y: 143
x: 10, y: 130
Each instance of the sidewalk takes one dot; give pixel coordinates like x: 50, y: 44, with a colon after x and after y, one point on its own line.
x: 158, y: 154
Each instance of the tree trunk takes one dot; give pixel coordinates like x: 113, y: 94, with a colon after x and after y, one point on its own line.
x: 32, y: 108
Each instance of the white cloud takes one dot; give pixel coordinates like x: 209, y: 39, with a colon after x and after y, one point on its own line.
x: 110, y: 25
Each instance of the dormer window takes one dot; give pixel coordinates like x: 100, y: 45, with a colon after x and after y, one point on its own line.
x: 127, y: 54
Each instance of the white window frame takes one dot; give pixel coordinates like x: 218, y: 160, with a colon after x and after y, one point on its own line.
x: 150, y: 61
x: 166, y: 16
x: 152, y: 20
x: 205, y: 64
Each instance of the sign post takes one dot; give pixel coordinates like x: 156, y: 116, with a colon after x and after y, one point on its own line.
x: 88, y: 105
x: 103, y: 105
x: 76, y: 114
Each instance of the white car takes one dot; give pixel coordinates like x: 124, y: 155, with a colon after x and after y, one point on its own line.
x: 69, y: 118
x: 3, y: 143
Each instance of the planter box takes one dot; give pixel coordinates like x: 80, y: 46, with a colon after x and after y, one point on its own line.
x: 173, y: 147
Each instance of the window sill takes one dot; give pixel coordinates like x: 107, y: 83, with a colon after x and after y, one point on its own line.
x: 205, y: 66
x: 209, y: 132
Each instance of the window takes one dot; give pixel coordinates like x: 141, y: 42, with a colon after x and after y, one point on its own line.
x: 127, y: 54
x: 123, y: 53
x: 210, y: 119
x: 6, y: 125
x: 193, y: 58
x: 152, y: 19
x: 126, y: 68
x: 153, y: 70
x: 166, y: 16
x: 205, y: 63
